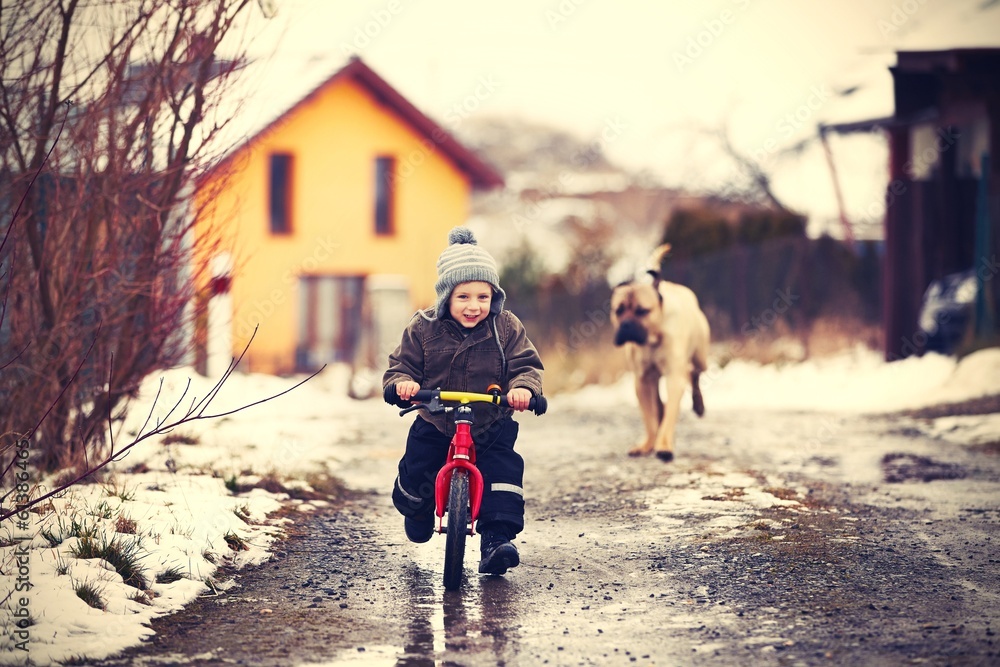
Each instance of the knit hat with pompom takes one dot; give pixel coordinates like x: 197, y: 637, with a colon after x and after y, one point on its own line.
x: 464, y: 261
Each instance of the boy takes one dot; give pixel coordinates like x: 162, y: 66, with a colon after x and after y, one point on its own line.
x: 466, y: 342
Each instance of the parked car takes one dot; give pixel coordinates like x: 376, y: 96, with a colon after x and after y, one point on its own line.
x: 947, y: 311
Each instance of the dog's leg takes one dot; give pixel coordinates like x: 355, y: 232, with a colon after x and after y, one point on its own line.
x: 697, y: 401
x: 647, y: 390
x: 699, y: 364
x: 665, y: 434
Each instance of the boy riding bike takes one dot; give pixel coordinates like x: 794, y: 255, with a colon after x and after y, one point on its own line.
x: 466, y: 342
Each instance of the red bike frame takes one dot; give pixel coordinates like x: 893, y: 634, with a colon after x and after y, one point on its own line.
x: 462, y: 450
x: 461, y: 454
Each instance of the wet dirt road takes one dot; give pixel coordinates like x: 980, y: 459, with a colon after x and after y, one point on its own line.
x: 771, y: 539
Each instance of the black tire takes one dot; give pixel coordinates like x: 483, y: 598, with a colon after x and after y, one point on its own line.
x: 458, y: 528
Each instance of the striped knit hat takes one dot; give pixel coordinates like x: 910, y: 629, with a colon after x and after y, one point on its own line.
x: 461, y: 262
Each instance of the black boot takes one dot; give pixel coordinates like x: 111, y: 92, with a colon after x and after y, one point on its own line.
x: 498, y: 554
x: 419, y: 529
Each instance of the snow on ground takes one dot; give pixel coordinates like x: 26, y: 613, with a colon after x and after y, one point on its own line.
x: 171, y: 504
x: 857, y: 381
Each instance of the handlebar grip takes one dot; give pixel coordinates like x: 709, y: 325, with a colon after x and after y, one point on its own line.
x: 390, y: 396
x: 537, y: 404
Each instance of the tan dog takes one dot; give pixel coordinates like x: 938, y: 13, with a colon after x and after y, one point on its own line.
x: 665, y: 334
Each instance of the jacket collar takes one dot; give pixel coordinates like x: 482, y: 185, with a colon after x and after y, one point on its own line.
x: 479, y: 333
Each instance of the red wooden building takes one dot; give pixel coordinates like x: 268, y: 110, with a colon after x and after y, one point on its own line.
x: 943, y: 198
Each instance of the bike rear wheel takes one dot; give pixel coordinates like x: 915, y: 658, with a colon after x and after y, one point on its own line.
x: 458, y: 528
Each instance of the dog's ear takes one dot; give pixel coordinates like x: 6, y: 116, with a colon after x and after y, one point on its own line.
x: 655, y: 260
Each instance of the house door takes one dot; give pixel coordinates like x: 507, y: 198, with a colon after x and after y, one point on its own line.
x: 330, y: 320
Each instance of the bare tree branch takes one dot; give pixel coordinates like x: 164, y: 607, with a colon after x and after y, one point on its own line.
x: 162, y: 427
x: 101, y: 239
x: 758, y: 187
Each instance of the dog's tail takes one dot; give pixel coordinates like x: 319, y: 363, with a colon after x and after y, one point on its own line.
x: 656, y: 261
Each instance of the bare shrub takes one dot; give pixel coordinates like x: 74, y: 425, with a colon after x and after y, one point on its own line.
x: 107, y: 112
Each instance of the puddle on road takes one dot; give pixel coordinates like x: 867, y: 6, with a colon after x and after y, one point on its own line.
x: 727, y: 503
x: 371, y: 656
x: 904, y: 467
x: 480, y: 617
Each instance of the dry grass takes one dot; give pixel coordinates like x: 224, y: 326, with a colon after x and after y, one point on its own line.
x: 975, y: 344
x: 90, y: 593
x: 571, y: 369
x: 124, y: 524
x: 325, y: 485
x: 830, y: 335
x: 770, y: 351
x: 826, y: 336
x: 235, y: 542
x: 568, y: 368
x: 122, y: 555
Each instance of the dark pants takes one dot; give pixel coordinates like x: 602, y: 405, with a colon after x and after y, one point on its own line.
x: 502, y: 469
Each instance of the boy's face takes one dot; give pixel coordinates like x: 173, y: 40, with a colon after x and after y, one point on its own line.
x: 470, y: 303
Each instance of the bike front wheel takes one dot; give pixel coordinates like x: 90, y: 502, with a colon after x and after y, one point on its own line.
x: 458, y: 528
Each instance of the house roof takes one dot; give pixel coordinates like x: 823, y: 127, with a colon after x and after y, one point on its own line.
x: 481, y: 174
x: 939, y: 36
x: 981, y: 60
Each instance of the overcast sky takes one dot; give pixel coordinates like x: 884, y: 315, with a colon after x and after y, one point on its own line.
x: 655, y: 71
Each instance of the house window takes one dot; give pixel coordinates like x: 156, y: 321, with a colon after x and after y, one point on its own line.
x: 385, y: 173
x: 280, y: 193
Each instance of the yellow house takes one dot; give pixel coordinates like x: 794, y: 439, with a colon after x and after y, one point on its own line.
x: 329, y: 222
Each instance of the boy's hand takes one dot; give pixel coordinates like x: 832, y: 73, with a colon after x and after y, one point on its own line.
x: 407, y: 389
x: 518, y: 398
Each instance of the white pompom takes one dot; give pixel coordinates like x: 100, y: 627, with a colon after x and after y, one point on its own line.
x: 461, y: 235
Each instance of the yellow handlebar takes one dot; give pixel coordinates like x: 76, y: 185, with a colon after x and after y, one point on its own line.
x: 465, y: 397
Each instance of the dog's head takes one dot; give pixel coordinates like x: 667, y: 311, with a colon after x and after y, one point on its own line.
x: 637, y: 307
x: 636, y: 313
